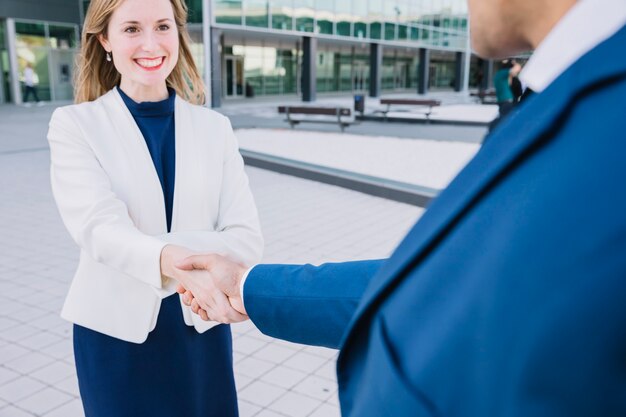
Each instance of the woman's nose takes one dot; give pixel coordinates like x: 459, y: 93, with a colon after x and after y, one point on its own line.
x: 149, y: 42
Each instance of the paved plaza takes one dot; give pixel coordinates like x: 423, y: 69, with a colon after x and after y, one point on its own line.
x: 302, y: 221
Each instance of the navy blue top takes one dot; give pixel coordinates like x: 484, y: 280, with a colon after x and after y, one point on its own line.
x: 156, y: 122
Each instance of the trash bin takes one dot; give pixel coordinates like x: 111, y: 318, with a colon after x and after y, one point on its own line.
x: 359, y: 103
x: 249, y: 90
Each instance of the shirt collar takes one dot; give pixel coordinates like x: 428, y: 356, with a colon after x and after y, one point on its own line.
x: 587, y: 24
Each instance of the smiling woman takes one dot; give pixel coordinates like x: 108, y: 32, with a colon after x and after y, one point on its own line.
x: 143, y: 51
x: 112, y: 32
x: 143, y: 177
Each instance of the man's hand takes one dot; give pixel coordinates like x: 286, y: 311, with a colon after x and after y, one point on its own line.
x: 220, y: 294
x: 210, y: 302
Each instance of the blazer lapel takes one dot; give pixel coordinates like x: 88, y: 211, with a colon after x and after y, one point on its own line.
x: 184, y: 144
x: 148, y: 192
x: 522, y: 133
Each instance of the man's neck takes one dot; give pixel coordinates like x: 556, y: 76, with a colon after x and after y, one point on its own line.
x: 543, y: 18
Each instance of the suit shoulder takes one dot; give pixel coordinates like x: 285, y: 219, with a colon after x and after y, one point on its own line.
x: 76, y: 112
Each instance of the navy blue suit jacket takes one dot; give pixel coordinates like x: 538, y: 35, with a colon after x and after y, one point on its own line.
x: 508, y: 297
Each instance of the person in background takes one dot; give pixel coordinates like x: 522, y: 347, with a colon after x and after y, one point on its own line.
x: 143, y: 176
x: 30, y: 83
x: 517, y: 88
x: 508, y: 89
x: 502, y: 84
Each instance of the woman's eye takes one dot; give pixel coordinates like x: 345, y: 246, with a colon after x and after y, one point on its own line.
x: 131, y: 29
x: 164, y: 27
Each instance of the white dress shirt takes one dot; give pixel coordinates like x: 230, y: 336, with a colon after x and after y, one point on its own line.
x: 586, y: 24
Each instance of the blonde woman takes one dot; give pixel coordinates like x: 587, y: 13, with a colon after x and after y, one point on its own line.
x: 143, y: 177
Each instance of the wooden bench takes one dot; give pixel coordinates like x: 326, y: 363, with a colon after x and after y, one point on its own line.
x: 337, y: 115
x: 428, y: 104
x: 485, y: 96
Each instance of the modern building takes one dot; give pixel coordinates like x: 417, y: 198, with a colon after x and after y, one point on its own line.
x: 44, y: 34
x: 299, y: 48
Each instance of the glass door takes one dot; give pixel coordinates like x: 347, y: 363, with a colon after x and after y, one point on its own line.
x: 360, y: 76
x: 234, y: 76
x: 401, y: 73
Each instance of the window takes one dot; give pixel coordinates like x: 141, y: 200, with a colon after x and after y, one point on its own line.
x: 402, y: 32
x: 305, y: 11
x: 62, y: 37
x: 257, y: 13
x: 195, y: 11
x: 390, y: 31
x: 359, y: 13
x: 282, y: 14
x: 30, y: 29
x: 325, y: 14
x: 376, y: 19
x: 343, y: 17
x: 228, y: 11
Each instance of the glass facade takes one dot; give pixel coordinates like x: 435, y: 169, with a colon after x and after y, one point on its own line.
x: 266, y: 68
x: 342, y: 69
x: 440, y: 25
x: 441, y: 70
x: 259, y: 69
x: 435, y: 23
x: 50, y: 50
x: 399, y: 71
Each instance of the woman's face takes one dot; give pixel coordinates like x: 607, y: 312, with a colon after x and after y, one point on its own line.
x: 143, y: 40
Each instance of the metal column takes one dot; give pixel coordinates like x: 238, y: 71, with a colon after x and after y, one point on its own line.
x: 459, y: 71
x: 309, y: 68
x: 467, y: 67
x: 487, y: 69
x: 207, y: 49
x: 14, y: 74
x: 3, y: 96
x: 376, y: 64
x: 422, y: 71
x: 215, y: 72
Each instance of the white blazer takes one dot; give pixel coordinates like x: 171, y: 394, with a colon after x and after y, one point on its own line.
x: 110, y: 199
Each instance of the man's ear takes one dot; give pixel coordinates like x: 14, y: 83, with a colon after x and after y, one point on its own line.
x: 104, y: 42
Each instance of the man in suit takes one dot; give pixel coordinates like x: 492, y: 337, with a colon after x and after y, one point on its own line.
x: 507, y: 296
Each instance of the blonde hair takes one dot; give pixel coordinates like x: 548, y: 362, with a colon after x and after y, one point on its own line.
x: 95, y: 76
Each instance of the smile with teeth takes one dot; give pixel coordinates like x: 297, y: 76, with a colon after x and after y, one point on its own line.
x: 150, y: 62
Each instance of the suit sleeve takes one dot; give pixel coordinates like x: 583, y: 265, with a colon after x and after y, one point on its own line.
x: 237, y: 232
x: 96, y: 219
x: 307, y: 304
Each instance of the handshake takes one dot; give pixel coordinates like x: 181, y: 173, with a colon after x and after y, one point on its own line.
x: 209, y: 284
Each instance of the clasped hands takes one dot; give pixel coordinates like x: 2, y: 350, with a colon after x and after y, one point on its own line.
x: 209, y: 284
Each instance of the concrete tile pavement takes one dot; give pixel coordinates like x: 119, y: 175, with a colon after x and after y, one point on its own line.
x: 303, y: 221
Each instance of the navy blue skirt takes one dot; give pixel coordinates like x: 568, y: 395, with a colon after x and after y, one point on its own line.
x: 175, y: 372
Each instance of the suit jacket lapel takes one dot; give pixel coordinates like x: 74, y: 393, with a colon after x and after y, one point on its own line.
x: 149, y: 194
x: 183, y: 125
x: 522, y: 133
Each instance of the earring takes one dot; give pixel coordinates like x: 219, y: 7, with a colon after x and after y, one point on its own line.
x: 109, y: 59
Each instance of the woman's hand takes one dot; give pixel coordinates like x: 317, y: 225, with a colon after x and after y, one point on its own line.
x: 170, y: 255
